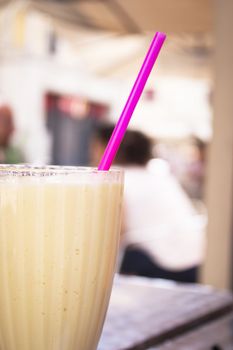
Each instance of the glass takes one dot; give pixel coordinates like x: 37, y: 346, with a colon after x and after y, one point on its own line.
x: 59, y: 232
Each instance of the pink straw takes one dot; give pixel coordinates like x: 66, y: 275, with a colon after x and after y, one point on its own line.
x: 121, y: 126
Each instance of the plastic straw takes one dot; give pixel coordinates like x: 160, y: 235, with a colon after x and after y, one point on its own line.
x: 122, y: 124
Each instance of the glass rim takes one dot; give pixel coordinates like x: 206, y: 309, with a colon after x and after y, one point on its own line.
x: 19, y: 170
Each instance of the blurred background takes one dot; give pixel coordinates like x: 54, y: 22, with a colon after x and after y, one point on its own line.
x: 67, y: 66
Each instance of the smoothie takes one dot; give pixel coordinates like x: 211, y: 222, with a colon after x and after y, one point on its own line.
x: 59, y: 235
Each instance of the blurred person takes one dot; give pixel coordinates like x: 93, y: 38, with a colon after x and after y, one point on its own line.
x: 187, y: 161
x: 8, y: 153
x: 162, y: 235
x: 195, y: 169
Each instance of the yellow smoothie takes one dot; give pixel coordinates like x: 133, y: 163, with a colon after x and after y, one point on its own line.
x: 58, y: 245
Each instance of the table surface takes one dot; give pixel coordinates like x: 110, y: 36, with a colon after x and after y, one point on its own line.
x: 145, y: 313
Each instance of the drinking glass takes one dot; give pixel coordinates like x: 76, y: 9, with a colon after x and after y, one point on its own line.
x: 59, y: 233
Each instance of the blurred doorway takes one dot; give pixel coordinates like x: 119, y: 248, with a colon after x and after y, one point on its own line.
x: 71, y: 121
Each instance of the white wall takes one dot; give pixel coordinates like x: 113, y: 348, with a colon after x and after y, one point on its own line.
x: 180, y: 107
